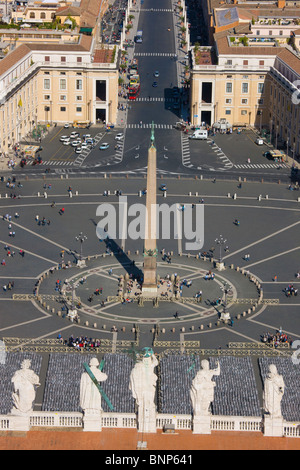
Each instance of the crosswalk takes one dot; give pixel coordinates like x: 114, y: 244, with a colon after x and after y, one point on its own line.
x: 261, y: 165
x: 157, y: 98
x: 154, y: 54
x: 149, y: 126
x: 157, y: 9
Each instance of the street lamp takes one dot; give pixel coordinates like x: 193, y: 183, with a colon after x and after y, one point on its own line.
x: 221, y: 242
x: 81, y: 238
x: 225, y: 315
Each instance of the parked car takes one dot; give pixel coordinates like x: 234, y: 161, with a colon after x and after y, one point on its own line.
x: 154, y: 84
x: 104, y: 146
x: 74, y: 134
x: 156, y: 74
x: 119, y: 136
x: 63, y: 138
x: 78, y: 149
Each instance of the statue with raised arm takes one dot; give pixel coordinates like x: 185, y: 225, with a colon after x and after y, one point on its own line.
x: 143, y: 387
x: 202, y: 390
x: 25, y: 382
x: 273, y: 392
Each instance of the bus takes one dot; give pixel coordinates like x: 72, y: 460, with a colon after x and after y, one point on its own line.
x: 133, y: 91
x: 81, y: 124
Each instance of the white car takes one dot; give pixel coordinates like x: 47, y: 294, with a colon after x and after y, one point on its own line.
x: 78, y: 149
x: 63, y: 138
x: 84, y: 146
x: 67, y: 125
x: 87, y: 136
x: 119, y: 136
x: 76, y: 142
x: 74, y: 134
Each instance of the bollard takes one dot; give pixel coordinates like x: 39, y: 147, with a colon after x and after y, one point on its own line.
x: 228, y: 195
x: 234, y: 196
x: 165, y: 194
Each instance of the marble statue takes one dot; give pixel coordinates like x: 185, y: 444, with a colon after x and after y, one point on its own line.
x: 273, y: 392
x: 202, y: 390
x: 25, y: 382
x: 90, y: 396
x: 143, y: 387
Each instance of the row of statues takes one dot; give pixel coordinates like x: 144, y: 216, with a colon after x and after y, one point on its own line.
x: 142, y: 384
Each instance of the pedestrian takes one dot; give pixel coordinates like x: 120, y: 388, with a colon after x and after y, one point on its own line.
x: 275, y: 278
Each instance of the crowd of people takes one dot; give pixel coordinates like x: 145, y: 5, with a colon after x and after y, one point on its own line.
x: 80, y: 342
x: 276, y: 338
x: 290, y: 290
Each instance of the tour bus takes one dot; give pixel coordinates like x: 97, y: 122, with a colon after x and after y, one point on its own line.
x: 81, y: 124
x: 134, y: 91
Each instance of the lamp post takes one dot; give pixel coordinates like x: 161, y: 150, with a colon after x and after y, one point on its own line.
x: 81, y: 238
x: 221, y: 242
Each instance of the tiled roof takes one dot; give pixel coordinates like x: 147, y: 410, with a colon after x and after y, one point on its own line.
x: 290, y: 59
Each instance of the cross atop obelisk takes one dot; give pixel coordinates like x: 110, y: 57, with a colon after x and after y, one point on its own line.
x: 150, y: 250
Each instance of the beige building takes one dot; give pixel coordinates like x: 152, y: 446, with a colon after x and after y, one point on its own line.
x: 53, y: 83
x: 49, y: 82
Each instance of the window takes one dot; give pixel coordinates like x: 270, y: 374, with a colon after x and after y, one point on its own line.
x: 244, y: 112
x: 260, y: 88
x: 46, y: 97
x: 79, y: 98
x: 227, y: 111
x: 260, y: 101
x: 78, y: 109
x: 63, y: 59
x: 245, y: 62
x: 228, y: 100
x: 46, y: 83
x: 79, y: 60
x: 62, y: 84
x: 270, y: 33
x: 43, y: 15
x: 257, y: 32
x: 63, y: 98
x: 229, y: 87
x: 244, y: 101
x: 32, y: 15
x: 63, y: 108
x: 47, y: 58
x: 261, y: 63
x: 78, y: 84
x: 245, y: 87
x: 229, y: 62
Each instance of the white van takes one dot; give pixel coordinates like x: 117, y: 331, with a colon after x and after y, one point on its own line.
x: 199, y: 134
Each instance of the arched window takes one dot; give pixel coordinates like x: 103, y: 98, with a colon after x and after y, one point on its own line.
x: 42, y: 15
x: 32, y: 14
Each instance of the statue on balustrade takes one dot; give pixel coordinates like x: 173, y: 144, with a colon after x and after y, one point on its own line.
x: 90, y: 396
x: 143, y: 387
x: 273, y: 392
x: 25, y: 382
x: 202, y: 390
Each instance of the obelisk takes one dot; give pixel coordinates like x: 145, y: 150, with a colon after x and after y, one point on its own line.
x: 149, y: 287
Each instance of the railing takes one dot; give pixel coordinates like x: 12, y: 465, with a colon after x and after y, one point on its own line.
x: 53, y: 419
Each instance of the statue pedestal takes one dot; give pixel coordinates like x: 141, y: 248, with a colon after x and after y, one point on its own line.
x: 19, y: 422
x: 220, y: 266
x: 81, y: 263
x: 273, y: 427
x: 225, y: 316
x: 147, y: 423
x: 201, y: 425
x: 92, y: 421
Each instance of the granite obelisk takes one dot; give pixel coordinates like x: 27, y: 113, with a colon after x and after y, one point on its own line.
x: 149, y: 287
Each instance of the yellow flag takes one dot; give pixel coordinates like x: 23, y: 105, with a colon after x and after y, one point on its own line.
x: 20, y: 104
